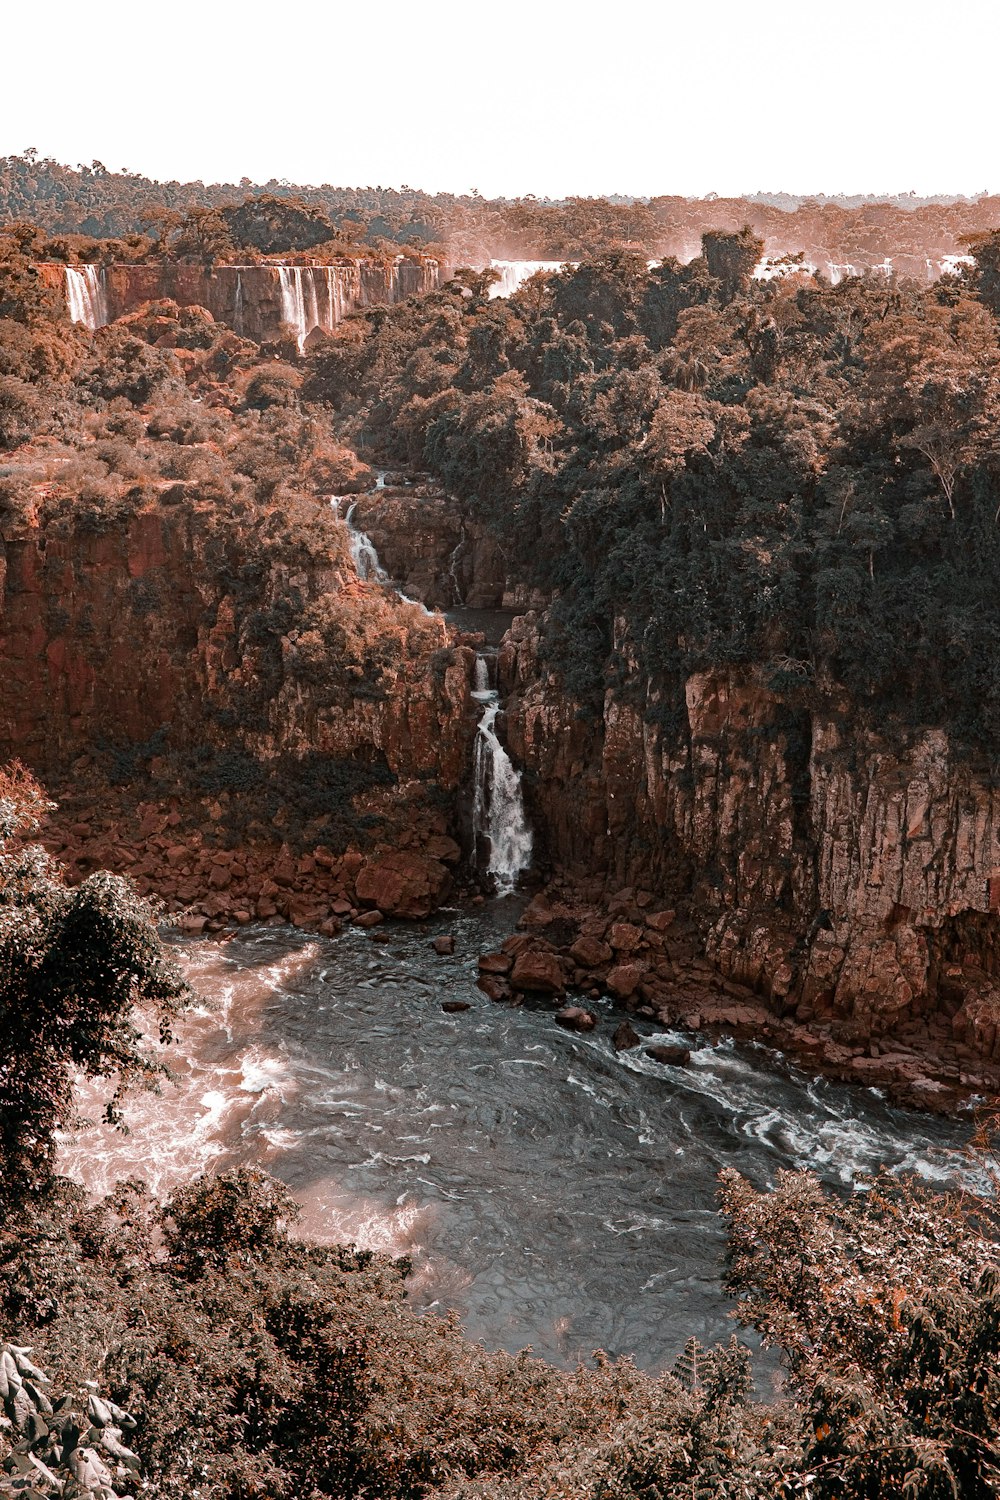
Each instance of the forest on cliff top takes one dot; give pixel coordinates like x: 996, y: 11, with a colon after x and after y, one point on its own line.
x: 790, y: 478
x: 125, y: 215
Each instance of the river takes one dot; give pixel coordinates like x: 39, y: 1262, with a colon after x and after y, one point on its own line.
x: 554, y: 1193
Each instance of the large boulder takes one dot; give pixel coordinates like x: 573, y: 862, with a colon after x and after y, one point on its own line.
x: 402, y: 884
x: 590, y: 953
x: 538, y: 973
x: 624, y: 980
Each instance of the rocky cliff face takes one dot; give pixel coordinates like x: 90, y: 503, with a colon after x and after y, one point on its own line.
x: 852, y: 884
x: 246, y: 680
x: 252, y: 300
x: 437, y: 552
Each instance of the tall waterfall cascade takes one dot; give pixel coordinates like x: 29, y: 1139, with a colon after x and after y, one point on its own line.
x: 85, y: 296
x: 314, y: 297
x: 498, y: 818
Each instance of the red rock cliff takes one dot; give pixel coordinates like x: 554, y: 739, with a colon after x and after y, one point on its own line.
x: 250, y: 298
x: 168, y: 625
x: 849, y: 881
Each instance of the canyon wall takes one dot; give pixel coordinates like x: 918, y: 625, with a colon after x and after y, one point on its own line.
x: 256, y: 300
x: 437, y: 552
x: 852, y: 883
x: 167, y: 638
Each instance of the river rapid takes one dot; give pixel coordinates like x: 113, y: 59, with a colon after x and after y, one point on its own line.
x: 556, y: 1194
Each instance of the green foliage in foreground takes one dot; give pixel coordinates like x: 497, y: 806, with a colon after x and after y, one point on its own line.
x: 73, y: 964
x: 253, y: 1365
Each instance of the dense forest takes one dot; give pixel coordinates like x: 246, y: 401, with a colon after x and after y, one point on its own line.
x: 789, y: 477
x: 194, y: 219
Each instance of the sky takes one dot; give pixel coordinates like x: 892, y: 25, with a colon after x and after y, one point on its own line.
x: 528, y: 96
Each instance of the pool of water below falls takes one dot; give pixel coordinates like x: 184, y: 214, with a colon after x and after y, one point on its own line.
x: 555, y: 1193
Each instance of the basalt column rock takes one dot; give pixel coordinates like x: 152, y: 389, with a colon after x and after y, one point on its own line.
x: 850, y: 881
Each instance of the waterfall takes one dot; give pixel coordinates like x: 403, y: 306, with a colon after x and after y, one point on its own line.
x: 363, y: 551
x: 498, y: 816
x: 514, y: 272
x: 238, y: 304
x: 85, y: 296
x: 302, y: 304
x: 366, y: 561
x: 293, y: 302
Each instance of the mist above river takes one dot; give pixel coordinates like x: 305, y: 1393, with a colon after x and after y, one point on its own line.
x: 552, y: 1191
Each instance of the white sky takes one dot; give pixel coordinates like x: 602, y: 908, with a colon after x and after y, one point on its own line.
x: 531, y: 96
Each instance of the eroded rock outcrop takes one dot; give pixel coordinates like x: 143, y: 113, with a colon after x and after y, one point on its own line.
x: 244, y: 684
x: 852, y: 883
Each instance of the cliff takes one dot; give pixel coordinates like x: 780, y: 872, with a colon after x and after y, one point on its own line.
x: 242, y: 682
x: 434, y: 550
x: 255, y: 300
x: 852, y: 883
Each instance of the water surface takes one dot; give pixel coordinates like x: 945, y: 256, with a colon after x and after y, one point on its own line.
x: 555, y: 1193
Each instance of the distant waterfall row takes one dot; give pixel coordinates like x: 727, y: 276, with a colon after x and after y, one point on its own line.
x: 86, y: 299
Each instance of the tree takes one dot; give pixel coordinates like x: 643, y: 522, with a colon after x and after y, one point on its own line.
x: 203, y: 236
x: 887, y: 1308
x: 73, y: 965
x: 272, y: 225
x: 731, y: 259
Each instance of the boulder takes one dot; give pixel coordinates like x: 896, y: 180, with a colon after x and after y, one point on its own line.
x: 495, y: 963
x: 590, y: 953
x: 575, y: 1018
x: 624, y: 937
x: 493, y: 988
x: 452, y: 1007
x: 677, y: 1057
x: 368, y: 919
x: 623, y: 980
x: 402, y: 884
x: 538, y: 973
x: 626, y: 1037
x: 444, y: 945
x: 659, y: 921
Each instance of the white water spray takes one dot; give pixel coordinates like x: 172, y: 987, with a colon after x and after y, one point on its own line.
x: 366, y: 561
x: 498, y: 815
x: 513, y: 273
x: 85, y: 296
x: 315, y: 297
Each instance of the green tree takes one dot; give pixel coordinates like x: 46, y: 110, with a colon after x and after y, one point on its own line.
x: 74, y: 963
x: 731, y: 259
x: 272, y: 225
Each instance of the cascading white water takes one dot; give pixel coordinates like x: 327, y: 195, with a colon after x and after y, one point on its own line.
x: 293, y: 302
x: 238, y: 304
x: 85, y: 297
x: 314, y: 297
x: 513, y: 273
x: 363, y: 551
x: 498, y: 816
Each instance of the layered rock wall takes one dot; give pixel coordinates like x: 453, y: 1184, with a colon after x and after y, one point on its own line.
x: 849, y: 881
x: 143, y: 631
